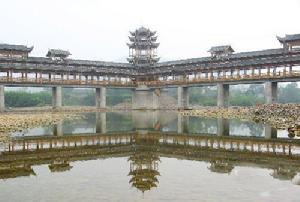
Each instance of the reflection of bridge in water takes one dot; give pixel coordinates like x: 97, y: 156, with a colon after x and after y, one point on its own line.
x: 144, y: 151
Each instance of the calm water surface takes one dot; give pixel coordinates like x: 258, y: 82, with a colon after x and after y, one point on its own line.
x: 150, y: 156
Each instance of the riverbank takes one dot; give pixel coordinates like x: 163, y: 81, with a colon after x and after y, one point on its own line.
x: 18, y: 121
x: 280, y: 116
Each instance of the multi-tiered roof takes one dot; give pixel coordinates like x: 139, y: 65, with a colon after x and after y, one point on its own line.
x: 14, y: 51
x: 142, y: 47
x: 290, y: 41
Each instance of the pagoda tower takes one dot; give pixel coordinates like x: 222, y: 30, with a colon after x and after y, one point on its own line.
x: 142, y: 54
x: 142, y: 47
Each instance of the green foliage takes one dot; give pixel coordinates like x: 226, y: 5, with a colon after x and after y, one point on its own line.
x: 116, y: 96
x: 26, y: 99
x: 78, y: 97
x: 245, y: 100
x: 205, y: 96
x: 289, y: 94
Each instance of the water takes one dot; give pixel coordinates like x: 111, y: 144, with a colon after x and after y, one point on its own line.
x: 150, y: 156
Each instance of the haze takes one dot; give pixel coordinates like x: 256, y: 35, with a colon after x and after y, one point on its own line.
x: 98, y: 30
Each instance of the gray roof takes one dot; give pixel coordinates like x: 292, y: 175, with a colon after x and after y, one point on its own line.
x: 58, y: 53
x: 10, y: 47
x: 221, y: 49
x: 142, y: 30
x: 246, y: 59
x: 241, y: 55
x: 289, y: 38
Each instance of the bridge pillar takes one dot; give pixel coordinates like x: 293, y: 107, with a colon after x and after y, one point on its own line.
x: 222, y: 127
x: 183, y: 97
x: 100, y: 97
x: 223, y: 95
x: 2, y: 98
x: 182, y: 124
x: 56, y: 97
x: 271, y: 92
x: 270, y: 132
x: 145, y: 98
x: 58, y: 129
x: 101, y: 122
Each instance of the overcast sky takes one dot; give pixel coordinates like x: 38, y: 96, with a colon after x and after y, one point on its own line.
x: 96, y: 29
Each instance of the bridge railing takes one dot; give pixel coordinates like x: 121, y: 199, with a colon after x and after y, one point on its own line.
x: 170, y: 81
x: 260, y: 145
x: 16, y: 80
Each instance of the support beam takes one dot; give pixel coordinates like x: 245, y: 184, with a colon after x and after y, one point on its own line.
x: 270, y: 132
x: 56, y: 97
x: 183, y: 98
x: 101, y: 122
x: 223, y: 127
x: 101, y: 97
x: 271, y: 92
x: 58, y: 129
x: 182, y: 124
x: 2, y: 98
x: 145, y: 98
x: 223, y: 95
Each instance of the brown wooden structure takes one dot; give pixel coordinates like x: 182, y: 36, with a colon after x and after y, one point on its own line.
x: 222, y: 68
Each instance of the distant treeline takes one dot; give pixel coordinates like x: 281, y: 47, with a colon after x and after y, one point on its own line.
x: 206, y: 96
x: 71, y: 97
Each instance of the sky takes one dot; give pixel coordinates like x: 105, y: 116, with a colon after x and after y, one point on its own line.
x: 98, y: 29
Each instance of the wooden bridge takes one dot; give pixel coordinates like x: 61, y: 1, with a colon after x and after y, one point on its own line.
x: 144, y: 75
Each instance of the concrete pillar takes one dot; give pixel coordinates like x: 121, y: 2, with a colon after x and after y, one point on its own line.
x: 270, y: 132
x: 223, y: 95
x: 58, y: 129
x: 101, y: 97
x: 101, y: 122
x: 2, y: 98
x: 145, y: 98
x: 271, y: 92
x: 182, y: 124
x: 238, y: 73
x: 56, y: 97
x: 222, y: 127
x: 183, y: 97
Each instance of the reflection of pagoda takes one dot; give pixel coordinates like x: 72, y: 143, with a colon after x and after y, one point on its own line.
x: 221, y: 166
x: 142, y: 47
x: 144, y: 163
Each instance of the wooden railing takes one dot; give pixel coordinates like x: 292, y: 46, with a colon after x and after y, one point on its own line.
x: 156, y: 83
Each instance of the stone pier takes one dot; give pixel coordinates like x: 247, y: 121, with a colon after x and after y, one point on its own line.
x: 270, y: 132
x: 222, y: 127
x: 271, y: 92
x: 182, y: 124
x: 145, y: 98
x: 100, y: 97
x: 56, y: 97
x: 223, y: 95
x: 183, y: 97
x: 101, y: 122
x: 2, y: 100
x: 58, y: 129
